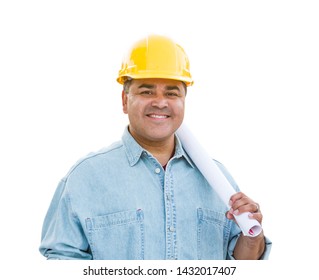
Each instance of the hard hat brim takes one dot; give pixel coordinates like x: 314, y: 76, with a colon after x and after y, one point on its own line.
x: 122, y: 79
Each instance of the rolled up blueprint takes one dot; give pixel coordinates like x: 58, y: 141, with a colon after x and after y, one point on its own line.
x: 216, y: 178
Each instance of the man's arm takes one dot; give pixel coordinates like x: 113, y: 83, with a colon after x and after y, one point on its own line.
x: 62, y: 235
x: 247, y: 248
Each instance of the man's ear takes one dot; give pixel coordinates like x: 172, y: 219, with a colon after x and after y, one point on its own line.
x: 124, y: 102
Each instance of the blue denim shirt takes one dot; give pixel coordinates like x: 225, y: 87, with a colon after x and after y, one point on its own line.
x: 119, y: 203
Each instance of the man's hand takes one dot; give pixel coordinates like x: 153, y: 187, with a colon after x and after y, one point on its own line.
x: 247, y: 248
x: 241, y: 203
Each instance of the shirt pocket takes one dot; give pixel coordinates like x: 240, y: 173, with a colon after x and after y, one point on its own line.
x: 117, y: 236
x: 213, y: 231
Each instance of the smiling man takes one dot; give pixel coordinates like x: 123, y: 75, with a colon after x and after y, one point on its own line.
x: 155, y: 108
x: 143, y: 197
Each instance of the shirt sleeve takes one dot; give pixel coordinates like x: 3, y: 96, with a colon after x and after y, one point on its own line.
x: 62, y: 234
x: 265, y: 255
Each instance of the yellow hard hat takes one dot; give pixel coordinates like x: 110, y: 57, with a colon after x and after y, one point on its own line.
x: 156, y: 56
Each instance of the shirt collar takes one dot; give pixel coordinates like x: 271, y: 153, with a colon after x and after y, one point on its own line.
x: 180, y: 152
x: 134, y: 151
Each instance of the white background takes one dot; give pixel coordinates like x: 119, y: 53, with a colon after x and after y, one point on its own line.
x: 254, y: 103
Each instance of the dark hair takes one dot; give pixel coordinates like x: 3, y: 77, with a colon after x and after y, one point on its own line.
x: 126, y: 85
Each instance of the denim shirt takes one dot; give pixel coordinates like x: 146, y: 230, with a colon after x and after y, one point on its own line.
x: 119, y: 203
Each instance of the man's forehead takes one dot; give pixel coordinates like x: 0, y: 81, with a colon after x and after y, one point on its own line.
x: 157, y: 82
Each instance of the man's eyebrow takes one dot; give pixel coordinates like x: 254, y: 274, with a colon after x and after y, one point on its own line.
x: 172, y: 88
x: 150, y: 86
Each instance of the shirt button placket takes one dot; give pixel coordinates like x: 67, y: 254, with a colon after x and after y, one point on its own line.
x: 171, y: 229
x: 170, y: 218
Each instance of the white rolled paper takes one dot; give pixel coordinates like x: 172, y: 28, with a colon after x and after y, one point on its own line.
x: 216, y: 178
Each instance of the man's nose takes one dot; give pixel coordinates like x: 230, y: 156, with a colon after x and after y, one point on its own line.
x: 160, y: 101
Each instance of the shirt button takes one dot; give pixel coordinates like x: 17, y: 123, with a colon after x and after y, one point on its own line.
x: 157, y: 170
x: 171, y: 228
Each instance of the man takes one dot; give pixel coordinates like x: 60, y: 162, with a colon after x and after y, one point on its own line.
x: 143, y: 197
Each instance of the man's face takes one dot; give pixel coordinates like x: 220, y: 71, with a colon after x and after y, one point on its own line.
x: 155, y: 108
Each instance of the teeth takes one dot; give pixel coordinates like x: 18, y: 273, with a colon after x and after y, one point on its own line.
x: 158, y: 116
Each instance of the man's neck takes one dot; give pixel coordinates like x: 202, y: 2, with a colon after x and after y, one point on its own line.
x: 161, y: 150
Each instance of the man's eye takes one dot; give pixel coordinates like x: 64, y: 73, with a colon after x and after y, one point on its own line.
x: 172, y: 94
x: 146, y: 92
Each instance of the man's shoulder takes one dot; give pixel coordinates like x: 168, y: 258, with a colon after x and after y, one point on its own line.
x: 106, y: 151
x: 96, y: 159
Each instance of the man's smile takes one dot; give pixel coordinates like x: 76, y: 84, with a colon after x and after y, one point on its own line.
x: 157, y: 116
